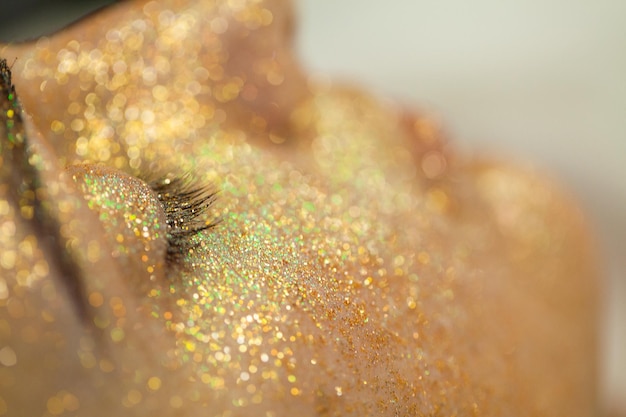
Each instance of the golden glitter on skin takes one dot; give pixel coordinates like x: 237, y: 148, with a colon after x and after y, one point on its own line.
x: 140, y: 233
x: 358, y: 268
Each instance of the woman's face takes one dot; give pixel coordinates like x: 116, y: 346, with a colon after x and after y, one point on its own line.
x: 191, y: 226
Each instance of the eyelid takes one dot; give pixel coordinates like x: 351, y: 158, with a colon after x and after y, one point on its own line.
x: 151, y: 224
x: 134, y: 221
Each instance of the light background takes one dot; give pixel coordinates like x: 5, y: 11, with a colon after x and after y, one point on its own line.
x: 539, y: 81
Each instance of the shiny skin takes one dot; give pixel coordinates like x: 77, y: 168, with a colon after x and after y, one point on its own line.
x: 359, y: 265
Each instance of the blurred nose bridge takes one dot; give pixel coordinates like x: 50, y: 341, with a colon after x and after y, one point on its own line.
x: 63, y: 303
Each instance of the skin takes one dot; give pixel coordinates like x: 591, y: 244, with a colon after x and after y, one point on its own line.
x: 357, y: 265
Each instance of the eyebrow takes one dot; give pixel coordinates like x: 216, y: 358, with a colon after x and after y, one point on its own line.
x: 24, y: 190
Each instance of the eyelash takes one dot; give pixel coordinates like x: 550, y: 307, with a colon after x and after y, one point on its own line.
x: 186, y: 205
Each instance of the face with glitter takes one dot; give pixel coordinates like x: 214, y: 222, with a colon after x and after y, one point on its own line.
x: 190, y: 226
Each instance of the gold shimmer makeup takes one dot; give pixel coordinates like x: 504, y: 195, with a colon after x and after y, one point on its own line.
x: 255, y: 242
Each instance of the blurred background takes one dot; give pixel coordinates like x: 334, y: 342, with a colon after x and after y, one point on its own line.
x: 537, y: 81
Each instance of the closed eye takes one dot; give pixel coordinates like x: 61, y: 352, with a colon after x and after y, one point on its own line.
x: 183, y: 204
